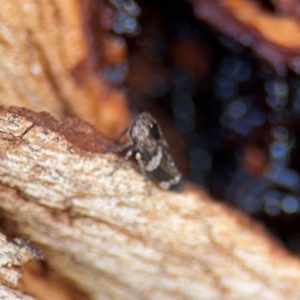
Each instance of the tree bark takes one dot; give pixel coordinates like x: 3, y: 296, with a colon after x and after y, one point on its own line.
x: 106, y: 235
x: 103, y: 232
x: 12, y: 256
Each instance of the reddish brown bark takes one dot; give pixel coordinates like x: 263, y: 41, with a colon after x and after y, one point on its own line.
x: 106, y: 235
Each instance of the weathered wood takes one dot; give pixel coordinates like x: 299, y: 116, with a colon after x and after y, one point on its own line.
x: 12, y: 256
x: 104, y: 233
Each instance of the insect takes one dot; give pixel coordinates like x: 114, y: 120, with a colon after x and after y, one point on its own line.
x: 146, y: 141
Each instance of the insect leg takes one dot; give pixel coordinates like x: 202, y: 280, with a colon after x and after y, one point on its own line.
x: 122, y: 160
x: 121, y: 135
x: 143, y: 171
x: 119, y: 148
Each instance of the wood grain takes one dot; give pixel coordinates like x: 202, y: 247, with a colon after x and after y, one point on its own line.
x: 113, y: 241
x: 13, y: 255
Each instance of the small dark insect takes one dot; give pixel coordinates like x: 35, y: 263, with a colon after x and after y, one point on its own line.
x: 146, y: 140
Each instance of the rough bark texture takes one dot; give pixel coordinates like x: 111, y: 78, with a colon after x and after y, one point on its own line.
x: 105, y: 234
x: 12, y: 256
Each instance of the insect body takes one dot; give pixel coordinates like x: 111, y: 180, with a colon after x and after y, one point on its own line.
x: 146, y: 140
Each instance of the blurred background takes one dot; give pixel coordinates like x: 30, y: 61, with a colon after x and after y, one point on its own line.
x: 222, y: 79
x: 220, y: 76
